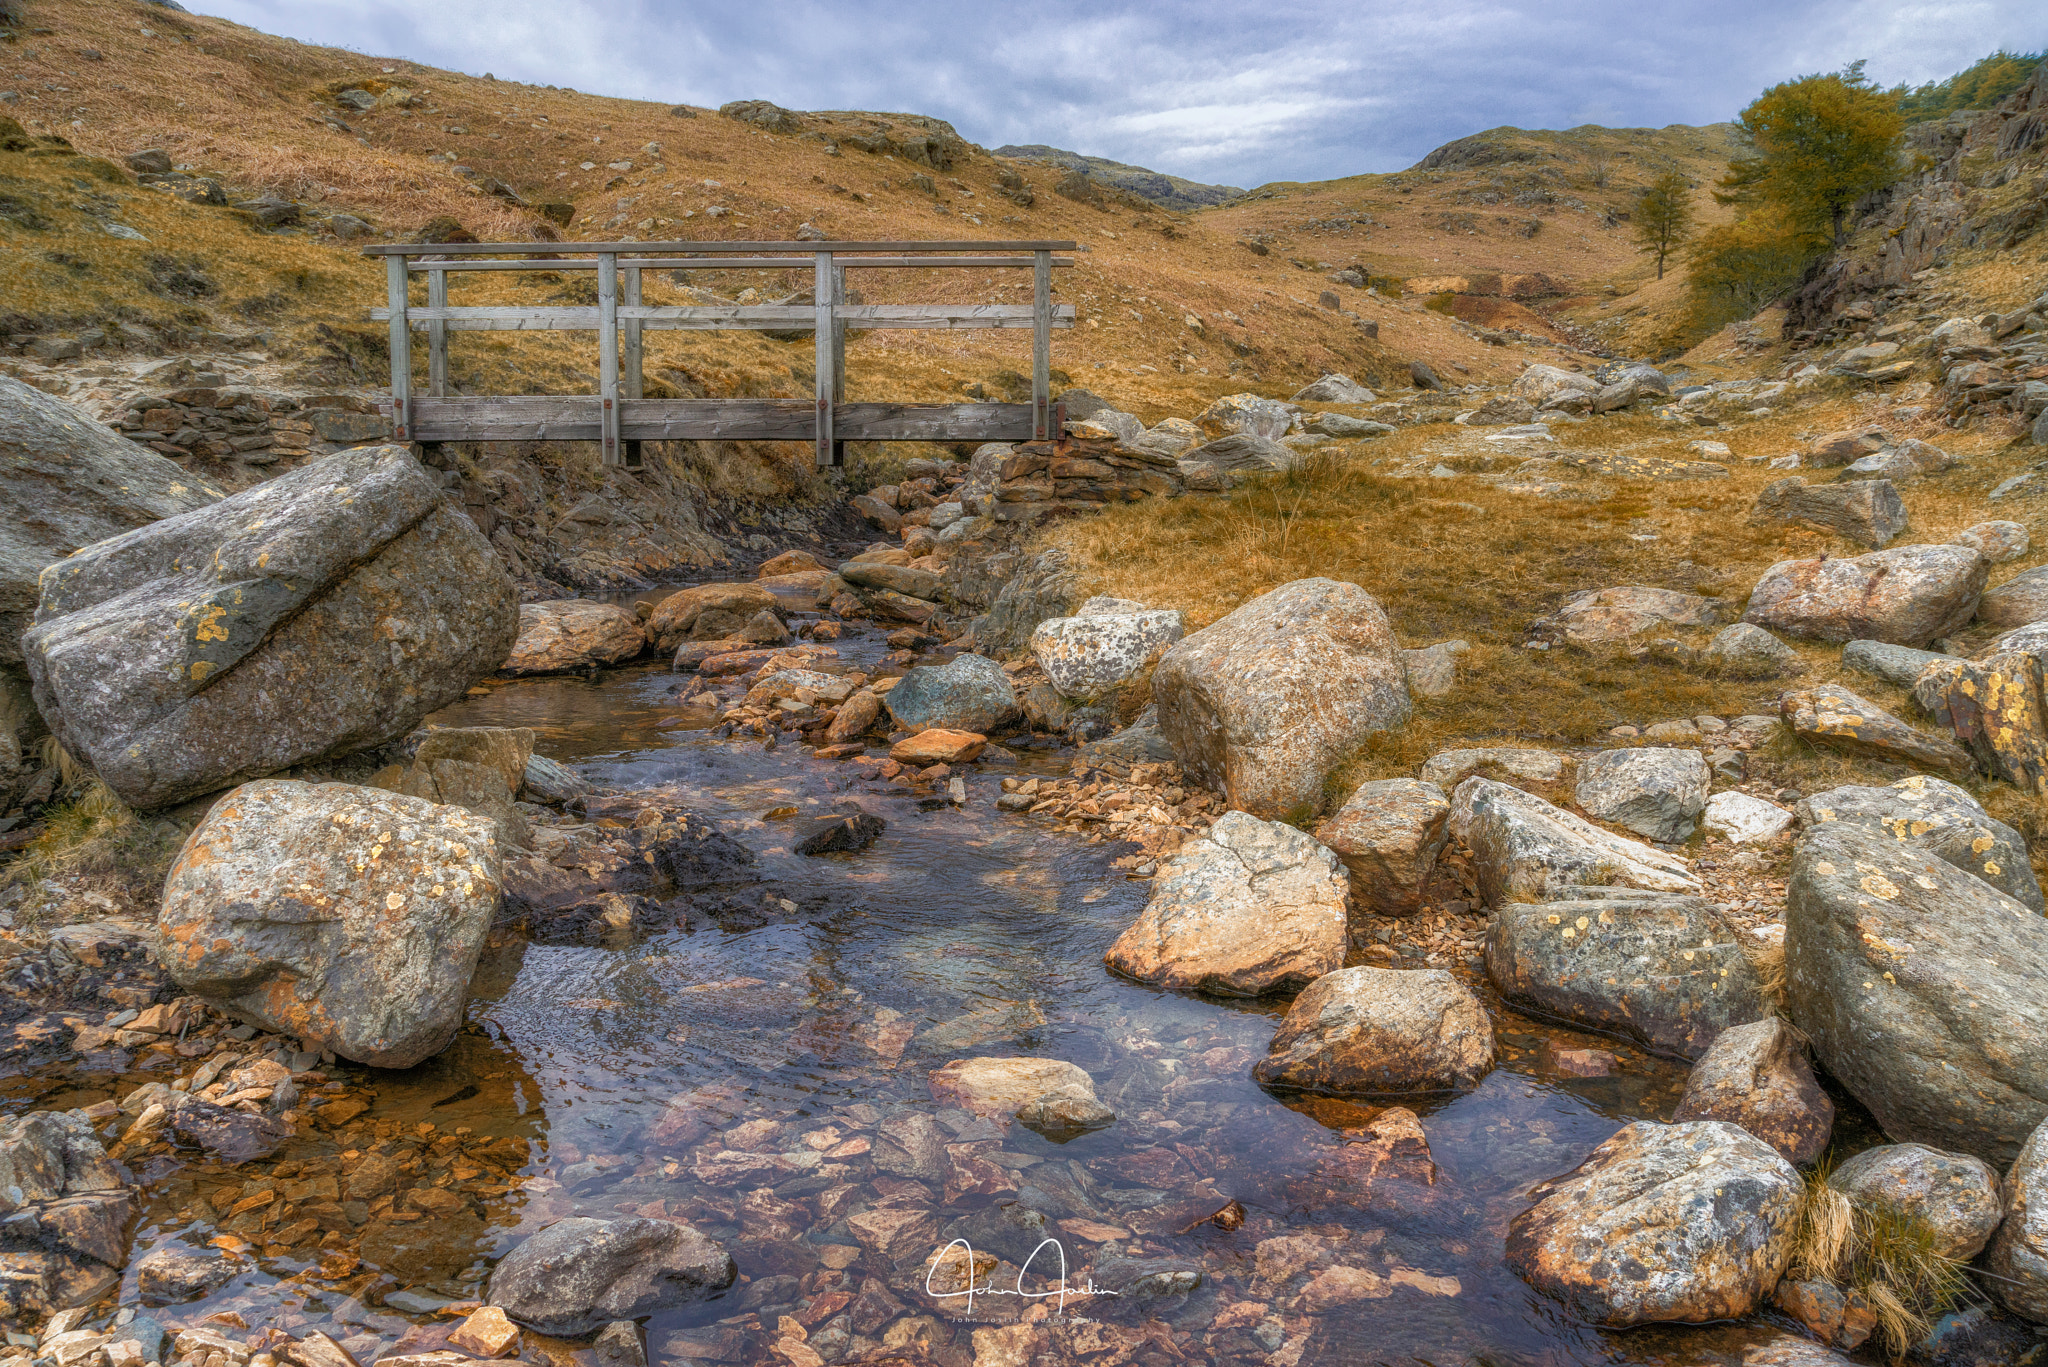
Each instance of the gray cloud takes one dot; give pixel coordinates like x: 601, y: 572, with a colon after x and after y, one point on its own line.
x: 1240, y: 94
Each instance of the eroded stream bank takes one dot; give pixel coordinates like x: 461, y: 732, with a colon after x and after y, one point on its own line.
x: 759, y: 1068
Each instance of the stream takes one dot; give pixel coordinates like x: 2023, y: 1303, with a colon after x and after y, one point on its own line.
x: 963, y: 932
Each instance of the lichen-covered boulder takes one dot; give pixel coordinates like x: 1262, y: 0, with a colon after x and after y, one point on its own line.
x: 1838, y: 719
x: 1525, y: 849
x: 1954, y: 1195
x: 324, y: 611
x: 1682, y: 1223
x: 1380, y: 1031
x: 1102, y: 645
x: 1934, y: 815
x: 707, y: 612
x: 573, y: 634
x: 67, y: 482
x: 1268, y: 701
x: 350, y: 918
x: 1249, y: 414
x: 1908, y: 595
x: 2019, y: 1253
x: 1251, y: 907
x: 1653, y: 791
x: 1757, y: 1076
x: 1389, y: 834
x: 967, y: 693
x: 1665, y: 970
x: 1920, y: 986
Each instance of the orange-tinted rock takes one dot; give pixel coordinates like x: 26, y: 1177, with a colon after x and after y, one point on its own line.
x: 1757, y: 1076
x: 938, y: 746
x: 1840, y: 720
x: 1995, y: 707
x: 573, y: 634
x: 706, y: 612
x: 1389, y: 835
x: 789, y: 562
x: 1379, y: 1031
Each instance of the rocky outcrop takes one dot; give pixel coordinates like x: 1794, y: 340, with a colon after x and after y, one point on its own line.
x: 1046, y: 1095
x: 1920, y: 987
x: 1654, y: 792
x: 1953, y: 1195
x: 1335, y: 388
x: 1684, y: 1223
x: 2019, y: 601
x: 1104, y: 643
x: 327, y: 610
x: 1083, y: 475
x: 1995, y: 706
x: 1939, y: 818
x: 1832, y: 716
x: 1757, y: 1076
x: 1252, y: 907
x: 67, y: 482
x: 573, y: 634
x: 1908, y: 595
x: 1524, y: 849
x: 2019, y: 1254
x: 1248, y: 414
x: 1666, y: 971
x: 1378, y: 1031
x: 1868, y: 512
x: 480, y: 768
x: 1389, y: 834
x: 968, y: 693
x: 578, y: 1275
x: 1268, y: 701
x: 347, y: 917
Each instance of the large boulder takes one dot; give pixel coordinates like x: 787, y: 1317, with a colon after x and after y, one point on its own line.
x: 1541, y: 384
x: 1995, y: 706
x: 1908, y: 595
x: 1666, y: 971
x: 578, y: 1275
x: 574, y: 633
x: 1608, y: 615
x: 350, y: 918
x: 1251, y: 907
x: 1381, y: 1031
x: 1103, y: 644
x: 1685, y: 1223
x: 707, y: 612
x: 1757, y: 1076
x: 1954, y: 1195
x: 1213, y: 464
x: 1335, y: 389
x: 1868, y: 512
x: 967, y: 693
x: 1248, y: 414
x: 1920, y: 986
x: 324, y: 611
x: 1654, y: 792
x: 2019, y: 601
x: 67, y: 482
x: 1742, y: 651
x: 2019, y: 1255
x: 1526, y: 850
x: 1939, y: 818
x: 1267, y: 702
x: 1389, y: 834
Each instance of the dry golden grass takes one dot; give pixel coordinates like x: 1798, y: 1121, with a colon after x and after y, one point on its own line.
x: 1463, y: 559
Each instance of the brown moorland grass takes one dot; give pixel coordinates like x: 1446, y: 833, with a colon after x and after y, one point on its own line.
x: 1463, y: 559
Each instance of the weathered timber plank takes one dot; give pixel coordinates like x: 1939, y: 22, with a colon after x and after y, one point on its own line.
x: 735, y: 317
x: 729, y: 263
x: 697, y: 248
x: 577, y: 418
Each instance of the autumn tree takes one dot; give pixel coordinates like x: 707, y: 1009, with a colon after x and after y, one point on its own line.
x: 1822, y: 143
x: 1663, y: 216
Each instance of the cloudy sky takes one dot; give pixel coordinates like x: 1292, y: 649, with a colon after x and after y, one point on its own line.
x: 1224, y: 92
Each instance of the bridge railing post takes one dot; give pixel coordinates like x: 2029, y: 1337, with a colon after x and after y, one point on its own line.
x: 396, y: 281
x: 1041, y: 345
x: 838, y: 357
x: 608, y: 356
x: 825, y: 321
x: 632, y: 383
x: 437, y: 336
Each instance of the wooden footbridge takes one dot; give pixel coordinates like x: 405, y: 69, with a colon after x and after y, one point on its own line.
x: 620, y: 418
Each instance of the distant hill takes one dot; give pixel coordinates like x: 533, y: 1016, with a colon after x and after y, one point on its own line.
x: 1170, y: 192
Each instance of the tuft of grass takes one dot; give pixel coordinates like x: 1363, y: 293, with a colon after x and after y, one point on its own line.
x: 1883, y: 1253
x: 1826, y: 1228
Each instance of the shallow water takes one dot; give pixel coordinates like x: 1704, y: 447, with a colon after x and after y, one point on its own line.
x: 963, y: 932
